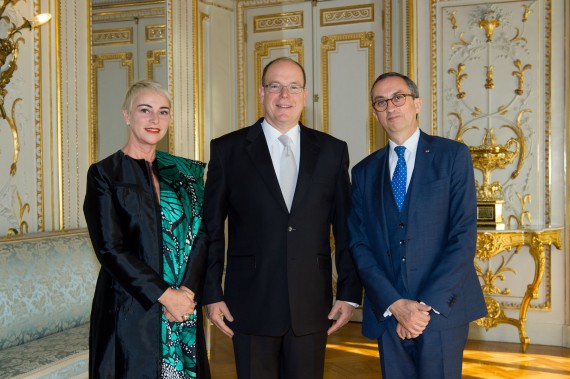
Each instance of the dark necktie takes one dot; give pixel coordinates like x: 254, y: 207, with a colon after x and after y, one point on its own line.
x: 287, y: 171
x: 399, y: 177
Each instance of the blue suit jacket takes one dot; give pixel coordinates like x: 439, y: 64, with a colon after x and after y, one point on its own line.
x: 441, y: 235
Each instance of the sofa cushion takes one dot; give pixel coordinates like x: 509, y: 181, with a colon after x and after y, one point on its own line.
x: 46, y: 285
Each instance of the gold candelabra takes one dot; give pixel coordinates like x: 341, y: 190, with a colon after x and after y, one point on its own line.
x: 9, y: 48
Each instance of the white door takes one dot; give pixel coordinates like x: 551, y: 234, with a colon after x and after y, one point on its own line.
x: 340, y: 45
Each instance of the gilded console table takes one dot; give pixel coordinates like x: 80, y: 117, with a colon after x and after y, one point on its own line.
x: 492, y: 242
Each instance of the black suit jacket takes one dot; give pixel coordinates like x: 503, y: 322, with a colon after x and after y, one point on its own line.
x: 279, y: 266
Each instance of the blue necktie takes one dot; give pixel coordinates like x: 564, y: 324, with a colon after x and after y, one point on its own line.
x: 399, y: 177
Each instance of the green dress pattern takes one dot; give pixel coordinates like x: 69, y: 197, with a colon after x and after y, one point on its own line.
x: 181, y: 197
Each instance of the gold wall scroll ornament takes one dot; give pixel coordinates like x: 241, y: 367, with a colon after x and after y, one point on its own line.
x: 9, y: 46
x: 519, y: 220
x: 453, y: 20
x: 520, y: 75
x: 459, y: 77
x: 9, y: 50
x: 15, y: 139
x: 526, y: 13
x: 489, y: 84
x: 493, y: 243
x: 22, y: 224
x: 489, y: 26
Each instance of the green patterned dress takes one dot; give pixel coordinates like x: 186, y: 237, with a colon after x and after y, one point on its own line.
x: 181, y: 196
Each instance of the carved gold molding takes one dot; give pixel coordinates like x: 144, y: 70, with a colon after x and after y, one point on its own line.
x: 199, y: 84
x: 279, y: 21
x: 295, y: 46
x: 155, y: 33
x: 97, y: 62
x: 126, y: 15
x: 115, y: 36
x: 170, y: 63
x: 328, y: 44
x: 411, y: 39
x: 153, y: 57
x: 39, y: 122
x: 347, y: 15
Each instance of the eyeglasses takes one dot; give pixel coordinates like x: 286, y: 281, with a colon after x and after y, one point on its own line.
x: 380, y: 105
x: 278, y: 87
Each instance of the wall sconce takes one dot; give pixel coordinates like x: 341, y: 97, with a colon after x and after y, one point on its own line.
x: 9, y: 48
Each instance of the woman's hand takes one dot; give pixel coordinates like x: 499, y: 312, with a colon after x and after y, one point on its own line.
x: 178, y: 304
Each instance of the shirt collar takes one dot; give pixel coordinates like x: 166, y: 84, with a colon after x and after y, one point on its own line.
x: 410, y: 144
x: 272, y: 134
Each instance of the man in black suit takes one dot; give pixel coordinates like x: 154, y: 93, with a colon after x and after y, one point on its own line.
x: 277, y: 302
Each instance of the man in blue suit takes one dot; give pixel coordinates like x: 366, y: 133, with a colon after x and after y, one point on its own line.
x: 413, y: 234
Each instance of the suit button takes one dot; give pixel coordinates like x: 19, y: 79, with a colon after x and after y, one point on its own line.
x: 290, y: 229
x: 402, y: 242
x: 402, y: 225
x: 404, y: 259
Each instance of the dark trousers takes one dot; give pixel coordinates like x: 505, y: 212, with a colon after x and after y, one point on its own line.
x: 432, y: 355
x: 282, y: 357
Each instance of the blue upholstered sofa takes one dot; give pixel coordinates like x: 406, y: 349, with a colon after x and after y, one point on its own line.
x: 46, y: 286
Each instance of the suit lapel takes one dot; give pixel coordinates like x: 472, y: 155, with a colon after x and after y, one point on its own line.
x: 309, y: 155
x: 261, y: 159
x: 378, y: 195
x: 424, y: 157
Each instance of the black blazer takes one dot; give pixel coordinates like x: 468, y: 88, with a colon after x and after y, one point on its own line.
x: 279, y: 266
x: 124, y: 224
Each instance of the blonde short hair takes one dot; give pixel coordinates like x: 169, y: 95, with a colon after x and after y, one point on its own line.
x: 140, y: 86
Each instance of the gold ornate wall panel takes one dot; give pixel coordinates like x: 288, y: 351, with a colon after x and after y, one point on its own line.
x: 362, y: 43
x: 129, y: 46
x: 116, y: 36
x: 280, y: 21
x: 347, y: 15
x: 155, y: 33
x: 122, y: 67
x: 242, y: 7
x: 491, y: 88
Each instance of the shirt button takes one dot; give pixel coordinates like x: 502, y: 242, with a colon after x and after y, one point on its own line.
x: 404, y: 259
x: 402, y: 242
x: 290, y: 229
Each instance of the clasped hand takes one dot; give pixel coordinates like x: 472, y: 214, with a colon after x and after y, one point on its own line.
x: 412, y: 317
x: 177, y: 303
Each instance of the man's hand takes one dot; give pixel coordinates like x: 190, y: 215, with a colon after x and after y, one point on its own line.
x: 216, y: 313
x: 344, y: 310
x: 413, y: 317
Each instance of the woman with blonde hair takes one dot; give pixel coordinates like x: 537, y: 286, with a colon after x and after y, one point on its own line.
x: 143, y: 209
